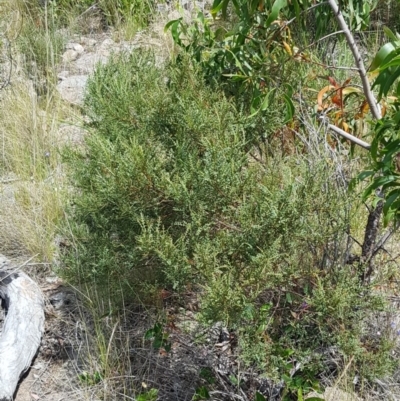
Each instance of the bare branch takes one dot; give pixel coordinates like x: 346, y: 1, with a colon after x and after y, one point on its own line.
x: 323, y: 38
x: 306, y: 11
x: 385, y: 238
x: 350, y: 137
x: 373, y: 104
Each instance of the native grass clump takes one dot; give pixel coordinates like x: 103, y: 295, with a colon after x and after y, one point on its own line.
x: 172, y: 194
x: 31, y: 186
x: 72, y: 14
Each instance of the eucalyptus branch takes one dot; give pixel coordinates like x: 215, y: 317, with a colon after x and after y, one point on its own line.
x: 350, y: 137
x: 334, y: 67
x: 323, y: 38
x: 373, y: 104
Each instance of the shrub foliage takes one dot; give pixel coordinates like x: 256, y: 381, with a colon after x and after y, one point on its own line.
x: 170, y: 193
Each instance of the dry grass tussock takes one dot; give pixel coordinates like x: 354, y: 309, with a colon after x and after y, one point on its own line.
x: 31, y: 181
x: 31, y: 178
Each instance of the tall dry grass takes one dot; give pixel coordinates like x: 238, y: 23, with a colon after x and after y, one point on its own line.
x: 31, y: 180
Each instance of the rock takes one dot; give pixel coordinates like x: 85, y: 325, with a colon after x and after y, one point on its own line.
x: 162, y: 8
x: 63, y: 300
x: 107, y: 44
x: 70, y: 55
x: 3, y: 261
x: 189, y: 5
x: 72, y: 89
x: 334, y: 394
x: 88, y: 61
x: 62, y: 75
x: 77, y: 47
x: 68, y: 133
x: 88, y: 41
x: 52, y: 280
x: 184, y: 14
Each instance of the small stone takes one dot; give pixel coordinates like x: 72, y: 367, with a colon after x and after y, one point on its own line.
x: 78, y: 48
x: 70, y: 55
x: 70, y: 134
x: 62, y: 75
x: 162, y: 8
x: 72, y: 88
x: 52, y: 280
x: 3, y: 261
x: 88, y: 41
x: 86, y: 64
x: 39, y: 366
x: 107, y: 43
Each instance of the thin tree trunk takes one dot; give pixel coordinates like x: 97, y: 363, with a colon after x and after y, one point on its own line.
x: 372, y: 228
x: 373, y: 104
x: 368, y: 247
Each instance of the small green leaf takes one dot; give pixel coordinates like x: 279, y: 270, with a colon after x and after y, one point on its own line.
x: 265, y: 308
x: 289, y: 109
x: 390, y: 34
x: 170, y: 23
x: 289, y: 297
x: 296, y: 9
x: 276, y: 8
x: 150, y: 395
x: 395, y: 194
x: 384, y: 51
x: 202, y: 393
x: 392, y: 77
x: 393, y: 62
x: 173, y: 26
x: 217, y: 6
x: 157, y: 343
x: 149, y: 334
x: 260, y: 397
x: 365, y: 174
x: 207, y: 374
x: 224, y: 8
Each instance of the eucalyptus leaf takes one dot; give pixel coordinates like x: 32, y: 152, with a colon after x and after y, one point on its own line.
x: 276, y: 8
x: 390, y: 34
x: 384, y: 51
x: 260, y: 397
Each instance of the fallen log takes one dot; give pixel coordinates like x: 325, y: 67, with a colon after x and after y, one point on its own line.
x: 23, y: 326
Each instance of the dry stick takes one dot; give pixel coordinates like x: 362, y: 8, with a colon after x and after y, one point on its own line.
x: 320, y: 39
x: 350, y: 137
x: 385, y: 238
x: 305, y: 11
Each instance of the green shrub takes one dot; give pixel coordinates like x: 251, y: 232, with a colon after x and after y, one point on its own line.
x: 168, y: 196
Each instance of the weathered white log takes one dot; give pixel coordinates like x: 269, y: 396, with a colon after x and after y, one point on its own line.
x: 22, y: 329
